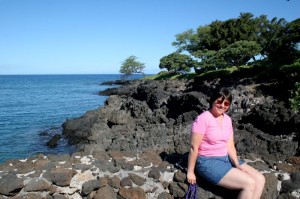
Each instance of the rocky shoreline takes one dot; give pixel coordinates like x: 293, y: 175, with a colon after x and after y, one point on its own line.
x: 136, y: 145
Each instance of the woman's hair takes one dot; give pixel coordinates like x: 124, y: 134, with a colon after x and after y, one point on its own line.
x: 224, y: 93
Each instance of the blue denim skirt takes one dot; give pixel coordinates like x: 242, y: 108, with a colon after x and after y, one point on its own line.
x: 213, y: 169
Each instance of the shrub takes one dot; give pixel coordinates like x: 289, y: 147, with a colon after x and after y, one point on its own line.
x: 295, y: 98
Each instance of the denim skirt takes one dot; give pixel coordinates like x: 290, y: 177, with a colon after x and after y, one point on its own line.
x: 213, y: 169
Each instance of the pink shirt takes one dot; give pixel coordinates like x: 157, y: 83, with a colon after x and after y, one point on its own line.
x: 215, y: 137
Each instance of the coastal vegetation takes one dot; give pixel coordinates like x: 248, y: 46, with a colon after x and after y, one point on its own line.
x: 245, y: 47
x: 131, y: 65
x: 246, y: 40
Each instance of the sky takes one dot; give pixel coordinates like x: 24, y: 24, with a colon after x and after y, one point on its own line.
x: 96, y: 36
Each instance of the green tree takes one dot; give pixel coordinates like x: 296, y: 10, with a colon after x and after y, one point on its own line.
x: 218, y: 35
x: 131, y: 66
x: 237, y: 41
x: 177, y: 63
x: 285, y: 49
x: 270, y: 35
x: 238, y: 53
x: 222, y: 43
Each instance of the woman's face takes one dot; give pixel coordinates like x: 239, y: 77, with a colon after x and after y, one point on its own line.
x: 220, y: 106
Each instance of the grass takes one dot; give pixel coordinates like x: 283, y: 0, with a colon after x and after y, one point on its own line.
x: 206, y: 75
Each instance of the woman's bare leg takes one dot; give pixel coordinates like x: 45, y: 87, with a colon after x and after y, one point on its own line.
x: 238, y: 179
x: 258, y: 178
x: 250, y: 181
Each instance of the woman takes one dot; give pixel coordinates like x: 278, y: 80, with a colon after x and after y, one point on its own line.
x: 213, y: 153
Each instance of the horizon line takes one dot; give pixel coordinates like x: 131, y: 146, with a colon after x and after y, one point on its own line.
x: 75, y: 74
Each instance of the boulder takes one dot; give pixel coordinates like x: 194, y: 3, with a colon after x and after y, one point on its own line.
x: 132, y: 193
x: 10, y: 184
x: 37, y: 184
x: 60, y: 176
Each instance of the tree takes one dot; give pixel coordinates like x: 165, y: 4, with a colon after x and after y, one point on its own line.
x: 236, y: 41
x: 218, y: 35
x: 238, y: 53
x: 270, y: 35
x: 177, y: 63
x: 285, y: 50
x: 131, y: 66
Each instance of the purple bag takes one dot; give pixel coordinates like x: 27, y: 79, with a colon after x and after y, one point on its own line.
x: 191, y: 192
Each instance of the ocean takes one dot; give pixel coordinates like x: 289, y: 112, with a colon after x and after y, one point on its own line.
x: 34, y: 107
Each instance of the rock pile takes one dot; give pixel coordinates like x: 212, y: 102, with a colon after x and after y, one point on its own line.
x: 98, y: 175
x: 115, y: 174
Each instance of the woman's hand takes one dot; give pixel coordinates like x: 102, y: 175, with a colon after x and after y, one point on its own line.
x: 196, y: 139
x: 240, y: 168
x: 191, y: 177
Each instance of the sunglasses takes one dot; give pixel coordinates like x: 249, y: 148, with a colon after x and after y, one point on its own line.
x: 226, y: 103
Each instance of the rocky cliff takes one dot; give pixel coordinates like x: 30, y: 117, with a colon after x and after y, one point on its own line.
x: 158, y: 115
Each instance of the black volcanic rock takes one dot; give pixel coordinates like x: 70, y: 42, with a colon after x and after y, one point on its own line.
x: 53, y: 142
x: 158, y: 115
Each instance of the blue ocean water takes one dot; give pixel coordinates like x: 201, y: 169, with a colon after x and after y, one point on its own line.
x: 33, y: 104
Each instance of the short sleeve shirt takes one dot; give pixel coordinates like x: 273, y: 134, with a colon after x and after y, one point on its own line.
x: 215, y: 136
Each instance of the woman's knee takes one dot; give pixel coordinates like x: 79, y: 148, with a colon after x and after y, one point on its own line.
x: 249, y: 184
x: 260, y: 179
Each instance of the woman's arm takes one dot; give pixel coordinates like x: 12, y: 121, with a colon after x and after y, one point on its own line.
x: 196, y: 139
x: 232, y: 151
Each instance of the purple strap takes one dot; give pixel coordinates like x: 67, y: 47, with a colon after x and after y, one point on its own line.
x: 191, y: 192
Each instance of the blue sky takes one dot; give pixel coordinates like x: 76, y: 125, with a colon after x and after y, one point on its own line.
x: 95, y: 36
